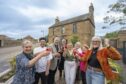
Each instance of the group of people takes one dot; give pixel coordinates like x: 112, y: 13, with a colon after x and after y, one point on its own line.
x: 44, y: 61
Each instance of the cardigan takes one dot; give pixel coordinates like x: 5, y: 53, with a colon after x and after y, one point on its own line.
x: 102, y: 56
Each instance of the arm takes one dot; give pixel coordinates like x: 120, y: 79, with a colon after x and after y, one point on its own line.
x: 113, y: 53
x: 37, y: 57
x: 47, y: 67
x: 86, y: 55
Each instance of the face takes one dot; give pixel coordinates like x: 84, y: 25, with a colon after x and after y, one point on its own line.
x: 64, y: 41
x: 27, y: 49
x: 42, y: 43
x: 70, y: 46
x: 56, y: 40
x: 95, y: 43
x: 77, y: 46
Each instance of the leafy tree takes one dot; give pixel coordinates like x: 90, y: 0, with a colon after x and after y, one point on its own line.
x: 74, y: 39
x: 111, y: 35
x: 119, y: 9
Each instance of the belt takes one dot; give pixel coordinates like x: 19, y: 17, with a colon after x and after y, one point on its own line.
x: 94, y: 69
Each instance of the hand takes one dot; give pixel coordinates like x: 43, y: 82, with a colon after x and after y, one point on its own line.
x: 57, y: 54
x: 45, y: 53
x: 107, y: 42
x: 47, y: 72
x: 78, y: 57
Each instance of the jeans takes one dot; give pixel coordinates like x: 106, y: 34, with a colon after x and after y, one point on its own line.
x: 94, y: 77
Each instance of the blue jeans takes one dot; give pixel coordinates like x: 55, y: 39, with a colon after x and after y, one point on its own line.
x: 94, y: 77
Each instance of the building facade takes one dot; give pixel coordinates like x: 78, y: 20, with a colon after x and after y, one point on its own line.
x: 82, y: 26
x: 6, y: 41
x: 121, y: 41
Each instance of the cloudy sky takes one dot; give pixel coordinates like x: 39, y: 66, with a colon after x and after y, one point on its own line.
x: 19, y: 18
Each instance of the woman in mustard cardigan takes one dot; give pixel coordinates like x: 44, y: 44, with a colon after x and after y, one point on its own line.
x: 97, y: 61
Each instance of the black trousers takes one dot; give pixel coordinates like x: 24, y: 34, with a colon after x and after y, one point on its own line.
x: 83, y: 75
x: 51, y: 76
x: 42, y: 76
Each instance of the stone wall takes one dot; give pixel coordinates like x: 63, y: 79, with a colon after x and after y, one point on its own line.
x: 85, y: 31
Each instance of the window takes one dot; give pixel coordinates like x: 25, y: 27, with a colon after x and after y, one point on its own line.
x: 74, y: 28
x: 63, y: 30
x: 53, y: 31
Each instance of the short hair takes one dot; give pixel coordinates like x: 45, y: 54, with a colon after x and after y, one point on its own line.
x: 26, y: 43
x: 42, y: 38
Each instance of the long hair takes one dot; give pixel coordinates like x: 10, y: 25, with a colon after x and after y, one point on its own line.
x: 99, y: 39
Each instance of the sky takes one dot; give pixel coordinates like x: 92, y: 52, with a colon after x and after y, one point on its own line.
x: 19, y: 18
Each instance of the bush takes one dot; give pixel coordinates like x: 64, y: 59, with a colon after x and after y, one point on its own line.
x: 13, y: 63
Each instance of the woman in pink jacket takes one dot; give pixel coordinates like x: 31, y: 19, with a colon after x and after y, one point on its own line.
x: 80, y: 52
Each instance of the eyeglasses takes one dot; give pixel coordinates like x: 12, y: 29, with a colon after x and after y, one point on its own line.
x: 95, y: 41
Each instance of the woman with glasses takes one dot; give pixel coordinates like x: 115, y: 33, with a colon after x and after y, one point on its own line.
x: 97, y: 61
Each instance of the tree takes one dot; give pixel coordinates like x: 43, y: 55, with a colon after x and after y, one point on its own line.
x: 74, y: 39
x: 118, y: 8
x: 111, y: 35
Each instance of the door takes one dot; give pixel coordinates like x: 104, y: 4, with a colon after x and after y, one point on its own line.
x: 0, y: 43
x: 124, y: 52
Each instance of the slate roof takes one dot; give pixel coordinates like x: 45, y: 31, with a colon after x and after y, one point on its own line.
x: 71, y: 20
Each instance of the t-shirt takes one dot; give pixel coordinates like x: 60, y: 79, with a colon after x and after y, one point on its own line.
x: 42, y: 62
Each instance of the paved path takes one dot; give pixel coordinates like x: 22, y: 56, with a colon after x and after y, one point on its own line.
x: 123, y: 73
x: 6, y: 54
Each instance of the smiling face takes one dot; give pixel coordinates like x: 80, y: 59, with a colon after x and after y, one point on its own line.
x: 42, y: 43
x: 70, y: 46
x: 56, y: 40
x: 27, y: 46
x: 96, y: 42
x: 64, y: 41
x: 27, y: 49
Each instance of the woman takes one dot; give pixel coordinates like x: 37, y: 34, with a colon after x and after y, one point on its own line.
x: 97, y: 62
x: 78, y: 51
x: 25, y: 64
x: 61, y: 61
x: 70, y: 64
x: 82, y: 53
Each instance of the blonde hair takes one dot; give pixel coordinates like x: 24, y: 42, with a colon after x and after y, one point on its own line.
x: 26, y: 43
x: 99, y: 39
x: 77, y: 43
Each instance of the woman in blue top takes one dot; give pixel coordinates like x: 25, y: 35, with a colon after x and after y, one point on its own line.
x: 25, y: 64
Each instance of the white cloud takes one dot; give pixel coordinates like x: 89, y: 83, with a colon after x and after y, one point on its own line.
x: 64, y: 9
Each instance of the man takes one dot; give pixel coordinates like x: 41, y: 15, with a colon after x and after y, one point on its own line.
x: 54, y: 62
x: 43, y: 65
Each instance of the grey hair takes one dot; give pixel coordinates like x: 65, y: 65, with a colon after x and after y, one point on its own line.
x: 99, y: 39
x: 26, y: 43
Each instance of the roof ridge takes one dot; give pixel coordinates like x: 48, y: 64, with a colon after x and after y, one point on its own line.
x: 71, y: 20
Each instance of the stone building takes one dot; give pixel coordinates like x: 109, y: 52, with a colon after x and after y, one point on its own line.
x: 121, y: 39
x: 82, y: 26
x: 2, y: 39
x: 30, y: 38
x: 6, y: 41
